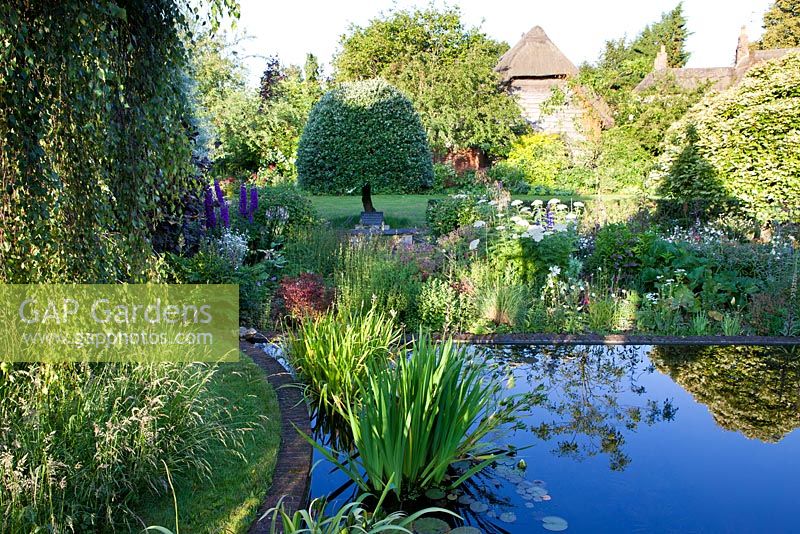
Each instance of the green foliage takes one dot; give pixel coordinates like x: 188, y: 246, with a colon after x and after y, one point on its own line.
x: 332, y: 354
x: 362, y: 132
x: 352, y: 517
x: 527, y: 261
x: 283, y: 212
x: 502, y: 304
x: 445, y: 215
x: 446, y: 68
x: 420, y: 416
x: 617, y: 251
x: 748, y: 134
x: 539, y: 157
x: 623, y: 65
x: 116, y: 427
x: 95, y: 126
x: 314, y: 250
x: 238, y: 482
x: 369, y: 274
x: 252, y: 133
x: 782, y: 25
x: 208, y: 267
x: 444, y: 306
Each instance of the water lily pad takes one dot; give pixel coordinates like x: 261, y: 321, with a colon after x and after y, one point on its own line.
x: 478, y: 507
x: 546, y: 497
x: 452, y: 496
x: 508, y: 517
x: 466, y: 499
x: 538, y: 482
x: 430, y: 525
x: 466, y: 530
x: 528, y: 505
x: 435, y: 494
x: 491, y: 514
x: 554, y: 523
x: 538, y: 491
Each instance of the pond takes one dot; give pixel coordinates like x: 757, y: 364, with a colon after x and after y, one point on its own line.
x: 637, y: 439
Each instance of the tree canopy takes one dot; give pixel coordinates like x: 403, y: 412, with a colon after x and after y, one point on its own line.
x: 748, y: 134
x: 361, y: 132
x: 96, y: 133
x: 446, y: 68
x: 782, y: 25
x: 623, y: 64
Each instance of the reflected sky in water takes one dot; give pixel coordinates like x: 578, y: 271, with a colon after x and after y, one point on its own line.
x: 640, y: 439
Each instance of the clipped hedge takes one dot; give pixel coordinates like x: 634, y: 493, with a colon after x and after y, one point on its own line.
x: 749, y: 135
x: 364, y: 131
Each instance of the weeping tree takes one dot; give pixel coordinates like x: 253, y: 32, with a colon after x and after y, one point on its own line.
x: 96, y: 129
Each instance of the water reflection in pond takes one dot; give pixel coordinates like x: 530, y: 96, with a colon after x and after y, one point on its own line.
x: 638, y: 439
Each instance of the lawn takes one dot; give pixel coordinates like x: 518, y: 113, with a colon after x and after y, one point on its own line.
x: 229, y: 501
x: 399, y: 210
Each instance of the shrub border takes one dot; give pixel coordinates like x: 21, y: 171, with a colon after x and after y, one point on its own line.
x: 291, y: 478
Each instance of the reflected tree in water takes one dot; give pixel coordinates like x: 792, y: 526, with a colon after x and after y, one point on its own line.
x: 593, y: 397
x: 752, y: 390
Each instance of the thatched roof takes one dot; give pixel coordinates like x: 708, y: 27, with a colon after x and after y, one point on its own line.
x: 718, y: 77
x: 535, y: 56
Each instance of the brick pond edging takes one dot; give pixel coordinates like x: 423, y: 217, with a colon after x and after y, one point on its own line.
x: 293, y: 465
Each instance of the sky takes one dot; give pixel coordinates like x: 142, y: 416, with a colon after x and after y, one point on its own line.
x: 292, y: 28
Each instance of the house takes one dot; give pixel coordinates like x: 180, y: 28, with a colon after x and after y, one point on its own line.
x: 533, y: 71
x: 717, y: 78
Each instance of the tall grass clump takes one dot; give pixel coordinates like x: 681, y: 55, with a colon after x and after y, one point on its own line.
x: 79, y: 443
x: 503, y: 304
x: 333, y: 352
x: 418, y: 417
x: 368, y: 273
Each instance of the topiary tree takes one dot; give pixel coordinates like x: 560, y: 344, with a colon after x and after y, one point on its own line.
x: 749, y: 135
x: 364, y: 132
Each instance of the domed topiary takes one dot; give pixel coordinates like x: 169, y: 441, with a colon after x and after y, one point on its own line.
x: 360, y: 132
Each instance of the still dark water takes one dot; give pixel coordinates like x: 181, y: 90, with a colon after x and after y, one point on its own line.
x: 639, y: 439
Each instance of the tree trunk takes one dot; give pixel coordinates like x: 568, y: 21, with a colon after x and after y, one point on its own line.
x: 366, y: 198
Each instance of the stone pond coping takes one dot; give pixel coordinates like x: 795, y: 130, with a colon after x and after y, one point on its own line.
x: 623, y: 339
x: 599, y: 339
x: 290, y: 481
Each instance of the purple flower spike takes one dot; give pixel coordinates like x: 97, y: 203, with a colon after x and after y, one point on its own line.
x: 208, y: 203
x: 550, y: 219
x: 253, y: 203
x: 218, y: 189
x: 243, y: 201
x: 224, y: 215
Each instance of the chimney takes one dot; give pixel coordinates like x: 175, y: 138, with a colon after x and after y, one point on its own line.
x: 743, y: 49
x: 661, y: 59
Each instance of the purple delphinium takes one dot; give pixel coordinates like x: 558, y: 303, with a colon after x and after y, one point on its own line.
x: 208, y: 203
x: 243, y: 201
x: 218, y: 190
x: 550, y: 218
x: 224, y: 215
x: 253, y: 203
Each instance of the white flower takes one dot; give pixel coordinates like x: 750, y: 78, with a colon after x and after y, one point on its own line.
x: 482, y: 201
x: 479, y: 224
x: 526, y: 209
x: 517, y: 202
x: 560, y: 227
x: 492, y: 202
x: 578, y: 204
x: 553, y: 201
x: 562, y: 207
x: 473, y: 245
x: 555, y: 270
x: 515, y: 236
x: 523, y: 223
x: 571, y: 217
x: 537, y: 202
x: 501, y: 228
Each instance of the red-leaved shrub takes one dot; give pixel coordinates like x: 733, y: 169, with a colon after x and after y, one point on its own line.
x: 304, y: 295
